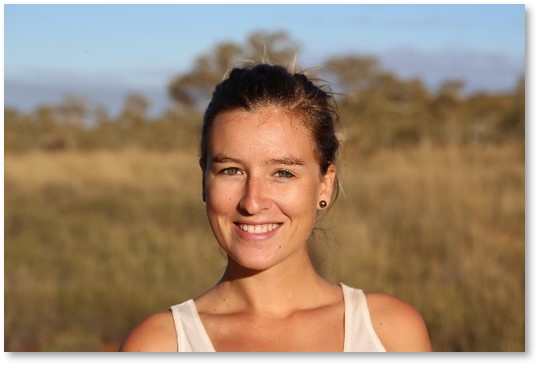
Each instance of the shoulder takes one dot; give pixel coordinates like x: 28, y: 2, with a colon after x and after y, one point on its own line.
x: 399, y: 326
x: 156, y: 333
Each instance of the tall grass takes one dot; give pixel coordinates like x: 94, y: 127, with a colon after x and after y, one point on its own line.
x: 95, y: 242
x: 445, y: 230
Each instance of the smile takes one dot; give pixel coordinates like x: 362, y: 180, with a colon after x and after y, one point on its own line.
x: 259, y: 228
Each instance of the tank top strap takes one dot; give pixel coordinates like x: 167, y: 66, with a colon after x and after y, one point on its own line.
x: 359, y: 333
x: 191, y: 334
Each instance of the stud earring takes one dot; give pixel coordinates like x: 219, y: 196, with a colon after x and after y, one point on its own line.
x: 322, y: 204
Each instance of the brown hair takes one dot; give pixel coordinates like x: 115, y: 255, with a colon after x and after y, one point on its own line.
x: 252, y: 87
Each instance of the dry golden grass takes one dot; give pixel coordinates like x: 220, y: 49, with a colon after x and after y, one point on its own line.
x: 94, y: 242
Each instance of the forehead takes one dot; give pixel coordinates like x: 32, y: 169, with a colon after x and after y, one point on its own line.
x: 266, y: 130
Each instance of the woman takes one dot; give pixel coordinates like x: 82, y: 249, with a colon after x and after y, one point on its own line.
x: 268, y: 154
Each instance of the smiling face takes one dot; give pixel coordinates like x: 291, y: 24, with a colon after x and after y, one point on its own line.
x: 263, y: 185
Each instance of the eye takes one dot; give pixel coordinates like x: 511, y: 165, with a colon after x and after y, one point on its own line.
x: 230, y: 171
x: 284, y: 174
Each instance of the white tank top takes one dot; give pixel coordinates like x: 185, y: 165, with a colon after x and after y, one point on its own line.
x: 359, y: 333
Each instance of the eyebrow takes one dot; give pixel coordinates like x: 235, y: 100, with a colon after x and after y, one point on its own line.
x: 220, y: 158
x: 286, y: 160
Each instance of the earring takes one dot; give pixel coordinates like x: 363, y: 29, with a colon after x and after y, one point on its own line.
x: 322, y: 204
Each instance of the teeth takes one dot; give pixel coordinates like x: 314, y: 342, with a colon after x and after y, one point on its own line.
x: 260, y: 228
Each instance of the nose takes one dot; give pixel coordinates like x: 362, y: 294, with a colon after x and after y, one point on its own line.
x: 255, y: 197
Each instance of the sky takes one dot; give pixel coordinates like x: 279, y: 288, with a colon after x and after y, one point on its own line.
x: 102, y: 52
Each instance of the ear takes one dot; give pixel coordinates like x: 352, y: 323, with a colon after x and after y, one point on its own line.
x: 327, y: 184
x: 203, y: 166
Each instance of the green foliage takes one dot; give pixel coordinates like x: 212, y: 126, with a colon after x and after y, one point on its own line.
x: 390, y: 113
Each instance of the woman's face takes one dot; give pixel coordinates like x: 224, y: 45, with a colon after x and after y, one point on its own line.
x: 263, y: 185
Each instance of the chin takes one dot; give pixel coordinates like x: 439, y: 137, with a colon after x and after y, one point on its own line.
x: 253, y: 261
x: 253, y: 264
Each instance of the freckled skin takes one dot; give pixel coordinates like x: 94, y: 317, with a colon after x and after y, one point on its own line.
x: 255, y: 194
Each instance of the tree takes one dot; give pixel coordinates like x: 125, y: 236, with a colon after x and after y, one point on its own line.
x: 72, y: 111
x: 353, y: 73
x: 193, y: 89
x: 513, y: 122
x: 135, y: 108
x: 451, y: 89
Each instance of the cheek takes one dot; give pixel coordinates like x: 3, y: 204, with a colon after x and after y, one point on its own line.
x: 300, y: 201
x: 222, y: 197
x: 220, y: 208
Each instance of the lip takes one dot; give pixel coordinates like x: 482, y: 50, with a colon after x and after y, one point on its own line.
x: 256, y: 231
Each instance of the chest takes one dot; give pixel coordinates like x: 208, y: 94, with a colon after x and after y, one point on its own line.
x: 320, y: 330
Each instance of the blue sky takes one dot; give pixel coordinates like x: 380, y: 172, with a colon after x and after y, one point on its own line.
x: 102, y: 52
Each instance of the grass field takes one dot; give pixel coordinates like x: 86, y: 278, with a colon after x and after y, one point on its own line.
x: 96, y: 241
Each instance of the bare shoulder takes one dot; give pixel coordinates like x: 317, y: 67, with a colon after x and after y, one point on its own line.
x: 154, y: 334
x: 399, y: 325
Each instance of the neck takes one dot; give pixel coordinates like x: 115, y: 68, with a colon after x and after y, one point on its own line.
x: 275, y: 292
